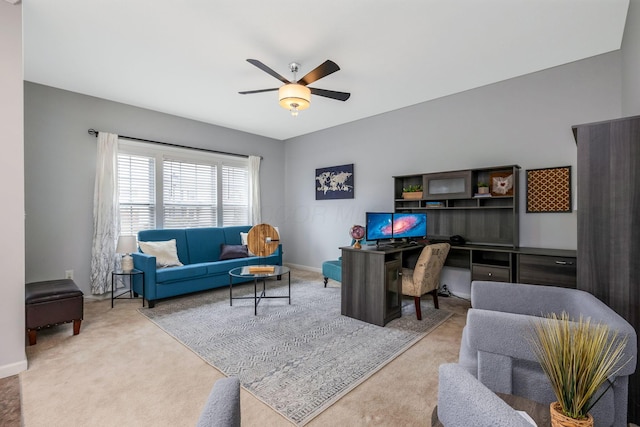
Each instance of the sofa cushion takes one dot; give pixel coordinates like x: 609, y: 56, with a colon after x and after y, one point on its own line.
x: 232, y: 234
x: 166, y: 252
x: 168, y: 234
x: 223, y: 267
x: 204, y: 243
x: 181, y: 273
x: 233, y: 251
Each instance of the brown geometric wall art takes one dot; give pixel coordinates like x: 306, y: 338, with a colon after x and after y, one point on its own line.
x: 549, y: 189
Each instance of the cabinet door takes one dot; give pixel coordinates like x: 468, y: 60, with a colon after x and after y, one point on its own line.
x: 393, y: 290
x: 547, y: 270
x: 447, y: 185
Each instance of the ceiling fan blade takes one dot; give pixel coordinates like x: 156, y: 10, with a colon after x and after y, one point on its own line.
x: 322, y: 70
x: 340, y: 96
x: 246, y: 92
x: 267, y: 70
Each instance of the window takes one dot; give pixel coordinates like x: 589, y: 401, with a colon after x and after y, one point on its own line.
x: 169, y: 187
x: 190, y: 194
x: 136, y: 185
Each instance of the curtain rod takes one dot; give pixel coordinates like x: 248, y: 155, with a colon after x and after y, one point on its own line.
x: 95, y: 133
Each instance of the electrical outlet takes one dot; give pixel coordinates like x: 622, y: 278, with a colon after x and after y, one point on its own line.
x: 68, y: 274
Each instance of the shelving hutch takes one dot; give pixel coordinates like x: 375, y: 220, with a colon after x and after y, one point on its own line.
x: 489, y: 224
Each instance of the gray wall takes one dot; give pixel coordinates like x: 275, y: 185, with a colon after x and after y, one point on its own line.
x: 525, y: 121
x: 60, y: 166
x: 12, y: 334
x: 631, y: 61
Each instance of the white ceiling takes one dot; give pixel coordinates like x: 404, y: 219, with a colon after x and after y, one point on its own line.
x: 188, y: 58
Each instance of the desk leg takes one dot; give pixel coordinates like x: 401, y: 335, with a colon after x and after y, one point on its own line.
x: 230, y: 290
x: 289, y: 274
x: 112, y: 285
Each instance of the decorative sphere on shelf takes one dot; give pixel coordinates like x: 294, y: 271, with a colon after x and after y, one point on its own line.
x: 357, y: 233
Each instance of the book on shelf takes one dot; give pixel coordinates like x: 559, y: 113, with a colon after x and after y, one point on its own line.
x: 434, y: 204
x: 482, y: 195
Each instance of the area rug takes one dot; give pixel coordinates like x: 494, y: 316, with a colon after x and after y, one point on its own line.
x: 299, y: 358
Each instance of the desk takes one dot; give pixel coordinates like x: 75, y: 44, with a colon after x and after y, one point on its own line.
x: 371, y: 288
x: 537, y: 266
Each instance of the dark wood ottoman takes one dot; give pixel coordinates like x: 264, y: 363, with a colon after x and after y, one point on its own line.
x: 50, y: 303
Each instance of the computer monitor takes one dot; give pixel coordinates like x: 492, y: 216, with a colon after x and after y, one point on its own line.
x: 410, y: 225
x: 379, y: 226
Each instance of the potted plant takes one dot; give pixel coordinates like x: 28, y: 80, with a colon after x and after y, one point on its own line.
x: 577, y: 357
x: 483, y: 188
x: 412, y: 192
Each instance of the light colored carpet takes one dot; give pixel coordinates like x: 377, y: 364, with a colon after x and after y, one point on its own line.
x: 122, y: 371
x: 298, y: 358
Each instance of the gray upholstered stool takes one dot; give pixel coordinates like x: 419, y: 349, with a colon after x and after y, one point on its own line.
x: 50, y: 303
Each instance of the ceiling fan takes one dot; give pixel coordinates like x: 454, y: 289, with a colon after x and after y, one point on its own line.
x: 295, y: 95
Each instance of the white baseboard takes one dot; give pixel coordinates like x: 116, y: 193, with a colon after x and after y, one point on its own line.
x: 304, y: 267
x: 13, y: 368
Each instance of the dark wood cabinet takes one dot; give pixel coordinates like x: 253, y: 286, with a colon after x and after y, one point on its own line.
x: 608, y: 222
x: 372, y: 282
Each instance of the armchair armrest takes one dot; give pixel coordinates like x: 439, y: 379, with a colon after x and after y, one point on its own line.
x: 223, y: 405
x: 500, y: 333
x: 464, y: 401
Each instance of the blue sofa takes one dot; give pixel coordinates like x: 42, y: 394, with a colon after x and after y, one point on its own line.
x: 199, y: 250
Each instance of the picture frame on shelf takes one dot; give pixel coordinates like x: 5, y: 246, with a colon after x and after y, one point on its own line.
x: 549, y: 190
x: 501, y: 183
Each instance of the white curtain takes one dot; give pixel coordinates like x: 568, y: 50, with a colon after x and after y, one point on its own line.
x: 254, y: 190
x: 105, y: 213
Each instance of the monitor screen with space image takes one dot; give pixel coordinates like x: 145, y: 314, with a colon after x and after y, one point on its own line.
x: 379, y: 226
x: 409, y: 225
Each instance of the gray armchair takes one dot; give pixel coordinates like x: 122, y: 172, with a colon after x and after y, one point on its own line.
x: 496, y: 349
x: 222, y: 408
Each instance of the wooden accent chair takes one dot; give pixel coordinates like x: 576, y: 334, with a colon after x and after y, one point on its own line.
x: 425, y: 277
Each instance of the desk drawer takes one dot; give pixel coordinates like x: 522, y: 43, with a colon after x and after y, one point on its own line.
x: 490, y: 272
x: 547, y: 270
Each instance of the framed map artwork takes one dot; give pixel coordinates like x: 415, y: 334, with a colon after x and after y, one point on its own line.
x: 334, y: 182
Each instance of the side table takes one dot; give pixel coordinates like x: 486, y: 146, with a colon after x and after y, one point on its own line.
x: 131, y: 274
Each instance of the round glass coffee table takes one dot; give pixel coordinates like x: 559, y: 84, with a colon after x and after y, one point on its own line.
x: 259, y: 273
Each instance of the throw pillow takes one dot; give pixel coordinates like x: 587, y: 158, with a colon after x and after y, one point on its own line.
x: 165, y: 252
x: 233, y: 251
x: 244, y: 237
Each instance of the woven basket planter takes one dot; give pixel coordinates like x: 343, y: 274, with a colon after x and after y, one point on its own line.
x: 558, y: 419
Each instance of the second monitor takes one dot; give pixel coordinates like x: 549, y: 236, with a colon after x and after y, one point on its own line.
x: 390, y: 226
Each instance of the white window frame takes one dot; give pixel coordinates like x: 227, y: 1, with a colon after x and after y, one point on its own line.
x: 164, y: 152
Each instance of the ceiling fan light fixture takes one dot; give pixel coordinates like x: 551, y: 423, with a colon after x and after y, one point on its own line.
x: 294, y: 97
